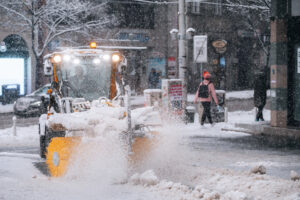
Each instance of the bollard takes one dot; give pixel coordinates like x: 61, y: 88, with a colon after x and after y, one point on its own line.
x: 226, y: 114
x: 14, y: 119
x: 255, y: 113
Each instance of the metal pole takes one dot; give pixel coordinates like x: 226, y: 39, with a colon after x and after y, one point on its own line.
x: 182, y: 53
x: 201, y: 71
x: 128, y: 111
x: 14, y: 119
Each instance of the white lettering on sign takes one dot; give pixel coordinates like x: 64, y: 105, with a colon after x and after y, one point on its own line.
x: 298, y: 60
x: 175, y: 92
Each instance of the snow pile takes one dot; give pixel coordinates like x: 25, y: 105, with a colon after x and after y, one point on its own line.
x: 180, y: 191
x: 107, y: 119
x: 108, y: 116
x: 149, y: 179
x: 6, y: 108
x: 146, y: 179
x: 24, y: 136
x: 260, y: 169
x: 251, y: 185
x: 217, y: 185
x: 294, y: 176
x: 234, y: 195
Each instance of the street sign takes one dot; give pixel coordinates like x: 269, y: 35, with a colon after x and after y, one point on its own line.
x: 220, y: 45
x: 200, y: 48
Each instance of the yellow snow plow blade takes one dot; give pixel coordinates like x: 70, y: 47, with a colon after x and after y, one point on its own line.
x: 59, y: 153
x: 61, y: 150
x: 142, y: 147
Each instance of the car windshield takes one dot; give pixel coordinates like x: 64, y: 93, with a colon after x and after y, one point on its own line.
x: 88, y: 78
x: 41, y: 91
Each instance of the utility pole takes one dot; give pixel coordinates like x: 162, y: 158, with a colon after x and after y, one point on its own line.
x: 182, y: 53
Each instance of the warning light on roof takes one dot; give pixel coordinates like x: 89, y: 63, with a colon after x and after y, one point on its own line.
x: 93, y: 45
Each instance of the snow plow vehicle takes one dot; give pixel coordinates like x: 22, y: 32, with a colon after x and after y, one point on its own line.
x: 88, y: 90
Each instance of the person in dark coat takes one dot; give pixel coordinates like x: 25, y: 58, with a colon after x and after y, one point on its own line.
x: 153, y: 79
x: 260, y: 93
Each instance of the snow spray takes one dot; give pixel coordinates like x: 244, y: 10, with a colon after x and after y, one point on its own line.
x: 165, y: 154
x: 102, y: 159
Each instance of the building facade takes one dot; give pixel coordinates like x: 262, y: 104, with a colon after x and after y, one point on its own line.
x: 285, y: 63
x: 142, y: 32
x: 16, y: 54
x: 241, y: 54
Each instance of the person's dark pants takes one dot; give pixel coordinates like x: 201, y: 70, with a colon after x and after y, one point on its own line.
x: 206, y: 112
x: 259, y: 115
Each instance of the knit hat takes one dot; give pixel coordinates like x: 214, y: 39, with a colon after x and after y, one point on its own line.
x: 206, y: 74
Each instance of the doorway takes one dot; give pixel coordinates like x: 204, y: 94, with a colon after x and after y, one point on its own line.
x: 14, y: 63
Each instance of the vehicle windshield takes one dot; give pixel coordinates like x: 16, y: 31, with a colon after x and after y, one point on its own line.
x: 88, y: 78
x: 41, y: 91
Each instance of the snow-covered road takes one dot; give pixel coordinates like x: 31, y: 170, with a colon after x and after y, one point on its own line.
x: 187, y: 162
x: 19, y: 179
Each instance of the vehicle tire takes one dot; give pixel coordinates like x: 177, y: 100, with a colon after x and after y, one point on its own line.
x: 42, y: 110
x: 42, y: 146
x: 49, y: 134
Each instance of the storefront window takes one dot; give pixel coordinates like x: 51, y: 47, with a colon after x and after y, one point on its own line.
x: 297, y: 86
x: 295, y: 7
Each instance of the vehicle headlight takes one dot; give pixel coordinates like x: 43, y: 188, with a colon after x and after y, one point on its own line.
x: 36, y: 103
x: 116, y: 58
x: 57, y: 59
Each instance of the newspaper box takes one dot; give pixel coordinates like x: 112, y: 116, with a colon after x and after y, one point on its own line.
x: 172, y: 96
x: 152, y: 97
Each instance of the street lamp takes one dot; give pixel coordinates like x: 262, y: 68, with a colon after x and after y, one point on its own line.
x: 190, y: 32
x: 182, y: 34
x: 174, y: 33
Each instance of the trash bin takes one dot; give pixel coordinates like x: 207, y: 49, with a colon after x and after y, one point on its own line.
x: 152, y: 97
x: 10, y: 93
x: 190, y: 114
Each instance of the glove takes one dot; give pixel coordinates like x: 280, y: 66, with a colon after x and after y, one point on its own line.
x: 218, y: 108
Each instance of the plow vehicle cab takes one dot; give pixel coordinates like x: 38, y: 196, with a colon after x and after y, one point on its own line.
x: 79, y: 78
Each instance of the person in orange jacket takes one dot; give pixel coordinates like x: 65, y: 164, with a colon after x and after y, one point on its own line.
x: 206, y: 91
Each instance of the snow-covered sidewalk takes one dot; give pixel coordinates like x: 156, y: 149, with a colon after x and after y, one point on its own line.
x: 6, y: 108
x: 139, y: 100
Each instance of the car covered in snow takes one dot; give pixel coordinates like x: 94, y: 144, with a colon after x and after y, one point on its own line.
x: 33, y: 104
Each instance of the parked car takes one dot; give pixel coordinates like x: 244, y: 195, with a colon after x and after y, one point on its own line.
x: 33, y: 104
